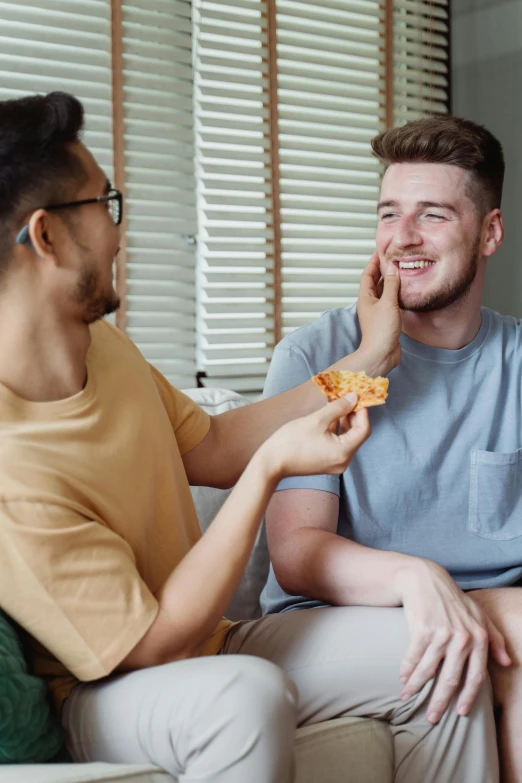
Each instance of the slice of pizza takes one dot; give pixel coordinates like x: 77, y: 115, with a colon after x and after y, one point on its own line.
x: 338, y: 383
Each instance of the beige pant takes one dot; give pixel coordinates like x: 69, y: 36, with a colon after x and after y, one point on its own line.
x: 345, y: 663
x: 223, y: 719
x: 231, y: 719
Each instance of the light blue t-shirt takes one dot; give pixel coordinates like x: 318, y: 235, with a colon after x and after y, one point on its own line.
x: 441, y: 475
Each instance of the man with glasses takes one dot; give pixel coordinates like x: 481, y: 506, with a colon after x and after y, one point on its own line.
x: 101, y: 559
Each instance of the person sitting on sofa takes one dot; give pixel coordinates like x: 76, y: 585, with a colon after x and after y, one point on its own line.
x: 102, y: 562
x: 429, y: 516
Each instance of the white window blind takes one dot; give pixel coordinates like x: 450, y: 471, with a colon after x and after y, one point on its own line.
x: 331, y: 104
x: 48, y: 45
x: 332, y: 97
x: 421, y: 79
x: 160, y: 184
x: 235, y: 183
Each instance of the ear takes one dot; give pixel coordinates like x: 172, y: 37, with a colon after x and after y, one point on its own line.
x: 493, y: 233
x: 41, y: 234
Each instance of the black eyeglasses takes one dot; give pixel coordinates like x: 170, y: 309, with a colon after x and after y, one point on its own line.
x: 113, y: 199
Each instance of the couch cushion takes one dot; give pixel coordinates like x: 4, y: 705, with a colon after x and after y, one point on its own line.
x: 82, y: 773
x: 29, y: 729
x: 208, y: 501
x: 347, y: 750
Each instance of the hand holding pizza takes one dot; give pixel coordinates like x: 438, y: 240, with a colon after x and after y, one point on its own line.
x: 380, y: 316
x: 323, y: 442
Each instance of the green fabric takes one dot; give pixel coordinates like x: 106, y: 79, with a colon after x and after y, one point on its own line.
x: 29, y: 729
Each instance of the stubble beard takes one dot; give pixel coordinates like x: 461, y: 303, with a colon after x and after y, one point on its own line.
x: 95, y: 302
x: 448, y: 295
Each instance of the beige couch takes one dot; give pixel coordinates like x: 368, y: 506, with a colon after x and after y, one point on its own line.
x: 346, y: 750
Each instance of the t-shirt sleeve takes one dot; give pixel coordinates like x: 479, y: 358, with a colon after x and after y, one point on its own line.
x: 72, y: 583
x: 189, y: 422
x: 290, y: 368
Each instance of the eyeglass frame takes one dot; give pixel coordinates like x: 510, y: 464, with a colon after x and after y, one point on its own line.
x: 113, y: 195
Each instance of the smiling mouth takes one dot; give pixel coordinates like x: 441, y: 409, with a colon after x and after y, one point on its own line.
x: 403, y: 263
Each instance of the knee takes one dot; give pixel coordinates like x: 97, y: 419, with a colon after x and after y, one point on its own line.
x: 263, y: 686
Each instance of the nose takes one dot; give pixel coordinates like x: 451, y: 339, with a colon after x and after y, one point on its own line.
x: 407, y: 233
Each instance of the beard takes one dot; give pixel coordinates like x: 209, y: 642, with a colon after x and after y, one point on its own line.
x: 449, y: 294
x: 95, y: 302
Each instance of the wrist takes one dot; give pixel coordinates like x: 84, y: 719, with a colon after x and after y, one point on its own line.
x: 373, y: 361
x: 267, y: 464
x: 411, y: 573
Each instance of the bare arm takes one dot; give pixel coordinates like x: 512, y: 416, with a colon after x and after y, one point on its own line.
x: 220, y: 458
x: 309, y: 558
x: 196, y: 594
x: 193, y: 598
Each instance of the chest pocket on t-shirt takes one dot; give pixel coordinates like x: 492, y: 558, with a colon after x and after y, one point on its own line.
x: 495, y: 500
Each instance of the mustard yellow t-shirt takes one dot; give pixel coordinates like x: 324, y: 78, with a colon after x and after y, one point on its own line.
x: 95, y: 511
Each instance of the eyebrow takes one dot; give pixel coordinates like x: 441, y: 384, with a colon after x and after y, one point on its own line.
x: 108, y: 187
x: 423, y: 204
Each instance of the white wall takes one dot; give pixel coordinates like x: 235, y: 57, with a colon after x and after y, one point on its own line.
x: 487, y: 88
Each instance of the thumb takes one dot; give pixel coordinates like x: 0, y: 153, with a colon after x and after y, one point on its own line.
x: 497, y: 645
x: 338, y: 408
x: 392, y: 282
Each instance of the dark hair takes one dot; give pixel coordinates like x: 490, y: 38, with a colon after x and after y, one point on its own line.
x: 37, y: 165
x: 454, y: 141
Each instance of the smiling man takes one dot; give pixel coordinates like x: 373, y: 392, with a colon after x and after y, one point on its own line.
x: 440, y: 531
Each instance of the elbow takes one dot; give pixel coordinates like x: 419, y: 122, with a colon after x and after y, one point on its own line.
x: 227, y: 482
x: 287, y: 579
x: 147, y: 659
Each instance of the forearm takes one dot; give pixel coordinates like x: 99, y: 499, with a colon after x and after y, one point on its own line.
x: 258, y: 421
x: 332, y: 569
x: 194, y: 597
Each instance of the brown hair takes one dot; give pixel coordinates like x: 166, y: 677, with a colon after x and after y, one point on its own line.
x: 453, y: 141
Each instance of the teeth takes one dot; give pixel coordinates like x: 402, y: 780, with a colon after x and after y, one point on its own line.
x: 415, y: 264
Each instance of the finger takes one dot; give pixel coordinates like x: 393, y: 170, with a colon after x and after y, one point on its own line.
x: 370, y: 277
x: 358, y: 430
x: 497, y: 645
x: 344, y: 424
x: 414, y: 655
x: 427, y: 667
x: 392, y: 283
x: 450, y: 675
x: 340, y: 426
x: 475, y: 676
x: 337, y: 409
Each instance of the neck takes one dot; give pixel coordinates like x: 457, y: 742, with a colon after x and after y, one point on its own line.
x: 42, y: 353
x: 451, y: 328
